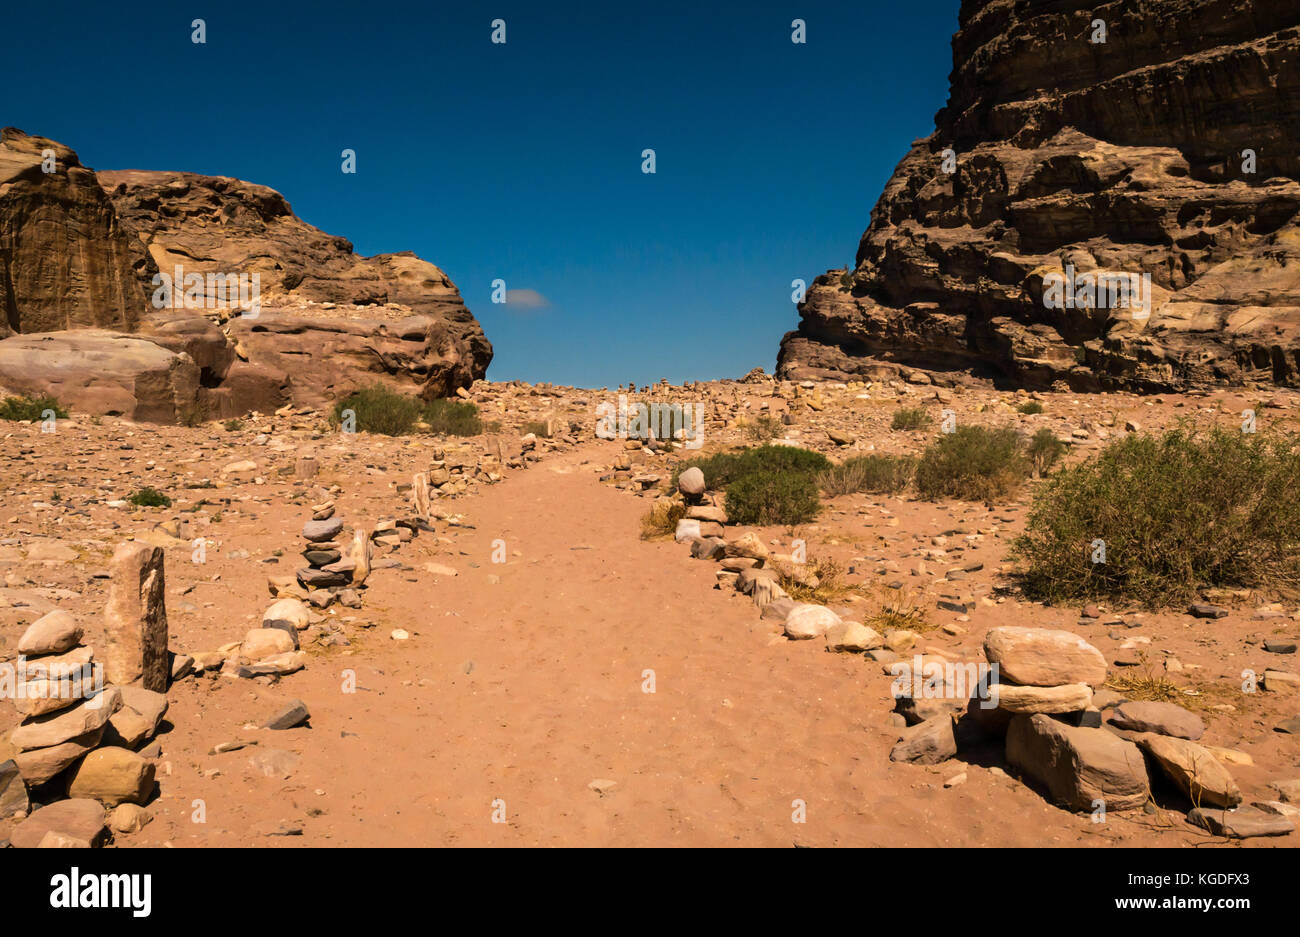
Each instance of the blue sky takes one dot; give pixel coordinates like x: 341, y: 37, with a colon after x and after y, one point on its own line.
x: 523, y: 161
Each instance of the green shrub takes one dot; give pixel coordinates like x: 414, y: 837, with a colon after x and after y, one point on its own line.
x: 453, y: 417
x: 1175, y: 512
x: 379, y: 410
x: 764, y: 429
x: 780, y: 497
x: 536, y: 427
x: 150, y: 498
x: 876, y: 474
x: 27, y: 409
x: 1044, y: 449
x: 910, y: 418
x: 721, y: 469
x: 1030, y: 407
x: 233, y: 426
x: 973, y: 464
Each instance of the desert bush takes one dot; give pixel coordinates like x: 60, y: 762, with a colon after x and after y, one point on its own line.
x: 150, y: 498
x: 1030, y: 407
x: 785, y: 496
x: 820, y: 579
x: 661, y: 521
x: 379, y: 410
x: 1044, y: 449
x: 876, y: 474
x: 973, y: 463
x: 536, y: 427
x: 910, y: 418
x: 764, y: 429
x: 233, y: 426
x: 1175, y: 512
x: 723, y: 468
x: 453, y: 417
x: 26, y: 409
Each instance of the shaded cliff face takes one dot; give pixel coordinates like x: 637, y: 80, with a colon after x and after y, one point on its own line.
x: 1076, y: 162
x: 65, y: 261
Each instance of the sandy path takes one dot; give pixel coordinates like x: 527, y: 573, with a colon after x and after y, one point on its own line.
x: 527, y: 687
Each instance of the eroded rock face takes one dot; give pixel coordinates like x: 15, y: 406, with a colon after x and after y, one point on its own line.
x: 1122, y: 158
x: 65, y: 261
x: 330, y: 319
x: 94, y: 371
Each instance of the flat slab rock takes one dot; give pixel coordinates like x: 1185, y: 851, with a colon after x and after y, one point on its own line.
x: 1241, y: 823
x: 1044, y: 657
x: 78, y: 818
x: 1078, y: 765
x: 321, y: 531
x: 1161, y: 718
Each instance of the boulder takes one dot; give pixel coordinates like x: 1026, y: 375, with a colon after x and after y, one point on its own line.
x: 112, y: 776
x: 80, y: 819
x: 1078, y: 766
x: 1195, y: 770
x: 1042, y: 699
x: 809, y: 621
x: 52, y: 633
x: 1161, y: 718
x: 929, y: 743
x: 1043, y: 657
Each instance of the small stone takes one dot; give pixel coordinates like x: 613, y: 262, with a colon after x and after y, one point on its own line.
x: 1205, y: 610
x: 399, y: 634
x: 1195, y: 770
x: 52, y: 633
x: 1279, y: 647
x: 959, y: 778
x: 809, y: 621
x: 128, y: 818
x: 320, y: 531
x: 602, y: 786
x: 291, y: 716
x: 691, y: 482
x: 929, y: 743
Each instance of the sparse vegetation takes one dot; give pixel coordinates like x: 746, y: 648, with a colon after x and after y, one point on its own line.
x: 233, y: 426
x: 875, y: 474
x: 1175, y: 512
x: 778, y: 496
x: 973, y: 463
x: 910, y: 418
x: 1030, y: 407
x: 820, y: 579
x: 26, y: 409
x: 380, y: 410
x: 1044, y: 449
x: 150, y: 498
x: 722, y: 468
x: 453, y: 417
x: 661, y: 521
x: 764, y: 429
x: 537, y: 428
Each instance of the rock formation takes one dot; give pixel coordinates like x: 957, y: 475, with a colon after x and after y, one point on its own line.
x: 279, y: 312
x: 1167, y: 150
x: 328, y: 318
x: 65, y: 260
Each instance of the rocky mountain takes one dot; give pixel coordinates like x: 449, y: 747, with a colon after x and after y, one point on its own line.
x: 171, y: 296
x: 1084, y: 148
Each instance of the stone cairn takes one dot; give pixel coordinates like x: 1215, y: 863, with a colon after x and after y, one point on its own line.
x: 1039, y: 695
x: 85, y: 744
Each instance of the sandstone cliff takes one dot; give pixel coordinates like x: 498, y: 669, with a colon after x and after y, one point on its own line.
x: 1121, y: 158
x: 281, y: 312
x: 65, y: 261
